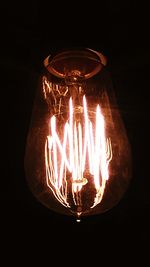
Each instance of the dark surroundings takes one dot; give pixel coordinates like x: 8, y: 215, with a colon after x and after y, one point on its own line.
x: 30, y: 31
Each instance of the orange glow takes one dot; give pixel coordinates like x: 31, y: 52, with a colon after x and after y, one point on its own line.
x: 82, y: 147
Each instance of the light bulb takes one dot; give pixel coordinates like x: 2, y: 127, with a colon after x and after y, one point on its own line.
x: 77, y: 157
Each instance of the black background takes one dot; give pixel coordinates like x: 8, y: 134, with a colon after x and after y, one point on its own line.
x: 30, y: 31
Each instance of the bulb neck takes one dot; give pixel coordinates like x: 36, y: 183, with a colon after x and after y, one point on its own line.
x: 75, y: 64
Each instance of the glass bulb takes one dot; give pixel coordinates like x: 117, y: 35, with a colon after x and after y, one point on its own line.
x: 77, y: 157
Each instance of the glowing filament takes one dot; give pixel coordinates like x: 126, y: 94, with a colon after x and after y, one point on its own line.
x: 84, y: 149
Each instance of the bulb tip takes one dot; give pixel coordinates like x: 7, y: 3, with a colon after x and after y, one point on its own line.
x: 78, y: 217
